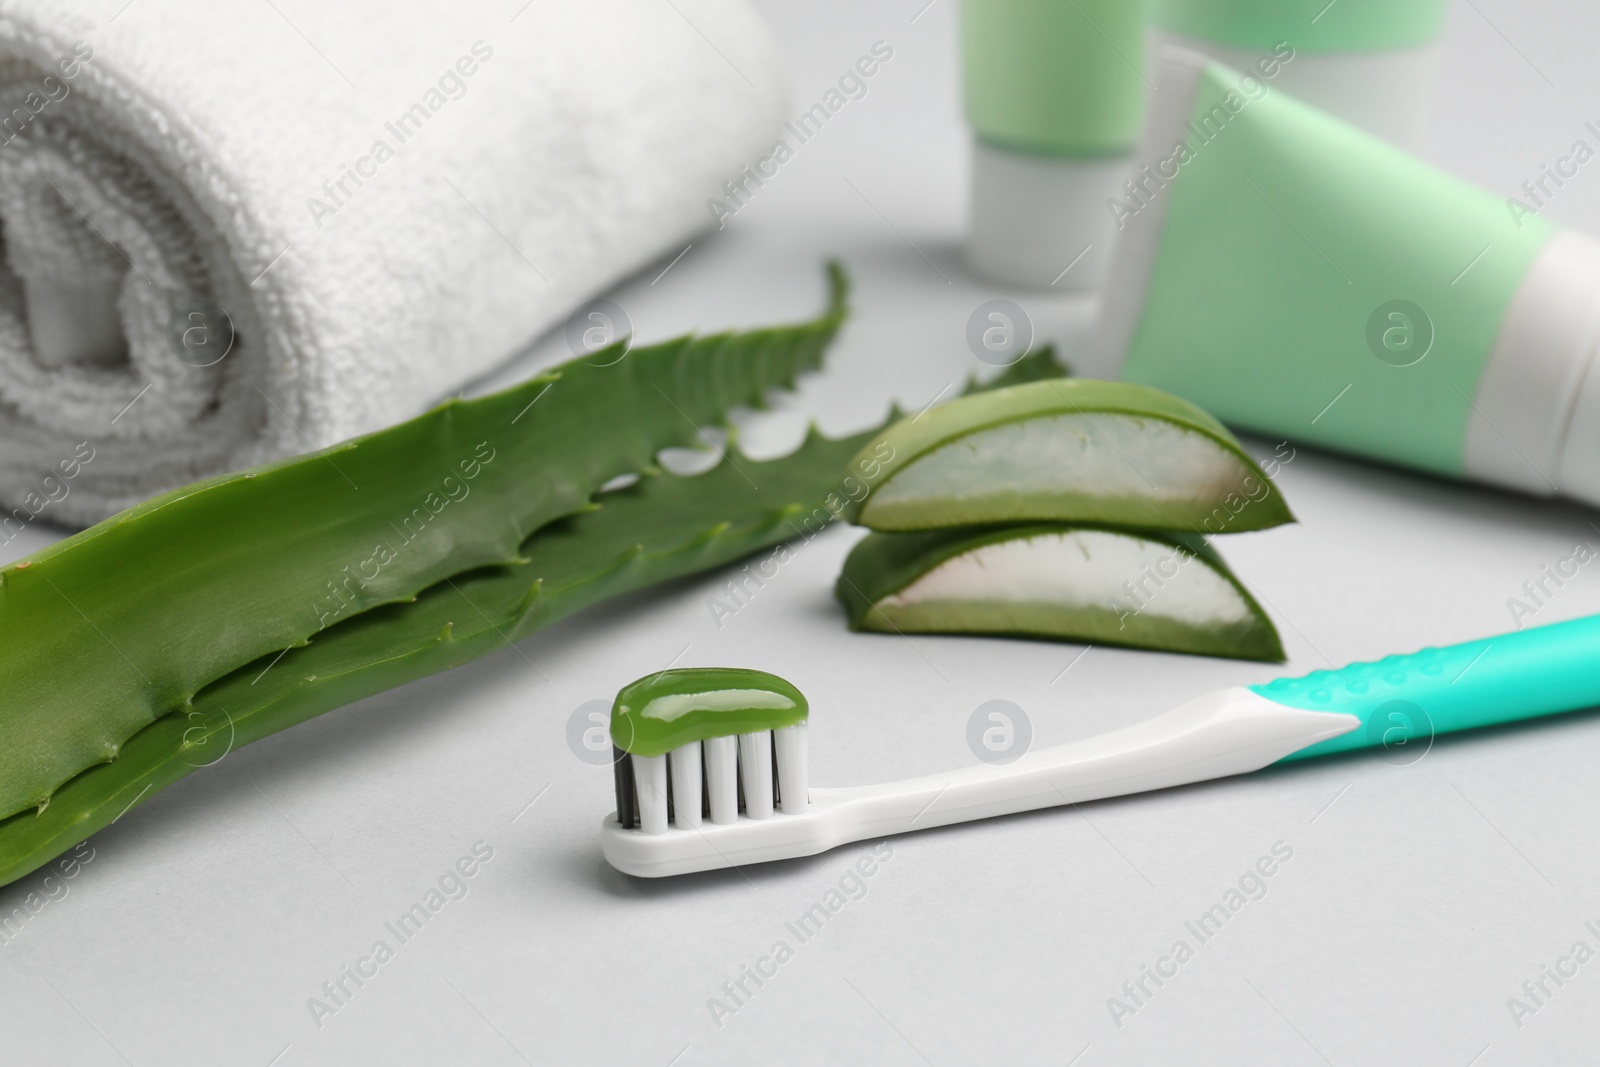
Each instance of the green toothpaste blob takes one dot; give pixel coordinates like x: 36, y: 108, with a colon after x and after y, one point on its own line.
x: 1102, y: 585
x: 668, y: 709
x: 1069, y: 451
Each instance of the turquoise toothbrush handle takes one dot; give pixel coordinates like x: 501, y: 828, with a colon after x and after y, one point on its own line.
x: 1539, y: 671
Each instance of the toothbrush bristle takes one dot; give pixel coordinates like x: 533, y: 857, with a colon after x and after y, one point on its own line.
x: 715, y: 780
x: 622, y: 774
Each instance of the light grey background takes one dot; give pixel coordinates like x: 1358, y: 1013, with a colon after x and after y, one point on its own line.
x: 1418, y: 898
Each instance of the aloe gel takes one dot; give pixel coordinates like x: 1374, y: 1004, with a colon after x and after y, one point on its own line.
x: 1067, y: 582
x: 1070, y: 450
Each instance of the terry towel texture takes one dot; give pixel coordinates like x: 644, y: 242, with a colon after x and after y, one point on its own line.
x: 364, y: 204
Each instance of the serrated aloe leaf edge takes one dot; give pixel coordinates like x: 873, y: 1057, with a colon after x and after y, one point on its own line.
x: 154, y: 604
x: 663, y: 527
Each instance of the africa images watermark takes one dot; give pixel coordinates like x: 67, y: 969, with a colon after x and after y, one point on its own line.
x: 737, y: 593
x: 1249, y: 887
x: 451, y: 85
x: 1537, y: 992
x: 1255, y: 490
x: 851, y: 886
x: 1143, y: 188
x: 1139, y: 593
x: 1552, y: 577
x: 452, y: 885
x: 53, y: 888
x: 51, y: 90
x: 53, y: 489
x: 1537, y: 190
x: 852, y: 85
x: 453, y: 489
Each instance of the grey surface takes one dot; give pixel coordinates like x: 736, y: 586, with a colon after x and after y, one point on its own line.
x: 1418, y: 898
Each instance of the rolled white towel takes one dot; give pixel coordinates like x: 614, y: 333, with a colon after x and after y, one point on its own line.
x: 235, y: 231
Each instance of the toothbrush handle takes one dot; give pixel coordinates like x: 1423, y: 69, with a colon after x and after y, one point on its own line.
x: 1543, y: 670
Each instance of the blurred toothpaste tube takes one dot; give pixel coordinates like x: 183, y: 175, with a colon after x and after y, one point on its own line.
x: 1055, y: 95
x: 1301, y: 278
x: 1370, y: 62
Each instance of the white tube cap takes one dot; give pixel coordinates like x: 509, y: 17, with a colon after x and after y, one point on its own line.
x: 1578, y: 466
x: 1042, y: 221
x: 1535, y: 421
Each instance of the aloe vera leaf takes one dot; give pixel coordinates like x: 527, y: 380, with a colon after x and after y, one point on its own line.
x: 153, y: 604
x: 1068, y: 451
x: 1095, y: 584
x: 661, y: 528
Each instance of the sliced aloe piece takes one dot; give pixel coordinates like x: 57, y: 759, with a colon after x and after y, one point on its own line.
x: 1054, y: 580
x: 1071, y: 450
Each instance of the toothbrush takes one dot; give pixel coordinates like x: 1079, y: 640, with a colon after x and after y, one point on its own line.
x: 691, y: 742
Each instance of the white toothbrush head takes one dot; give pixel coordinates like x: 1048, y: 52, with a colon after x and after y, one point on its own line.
x: 713, y: 745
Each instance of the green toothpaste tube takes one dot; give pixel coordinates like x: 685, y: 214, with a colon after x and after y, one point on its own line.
x: 1301, y: 278
x: 1370, y: 62
x: 1055, y: 95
